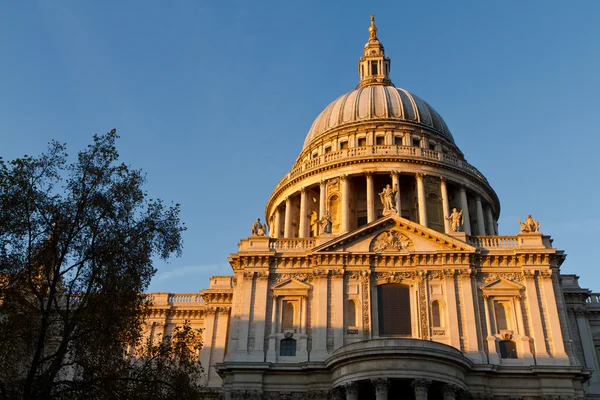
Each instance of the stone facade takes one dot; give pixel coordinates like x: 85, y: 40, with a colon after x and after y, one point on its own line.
x: 354, y: 295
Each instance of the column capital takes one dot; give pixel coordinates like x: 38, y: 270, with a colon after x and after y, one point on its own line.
x: 380, y: 384
x: 368, y: 174
x: 323, y: 182
x: 421, y: 385
x: 351, y: 389
x: 287, y: 198
x: 419, y: 176
x: 394, y: 172
x: 303, y: 189
x: 442, y: 179
x: 462, y: 188
x: 343, y: 177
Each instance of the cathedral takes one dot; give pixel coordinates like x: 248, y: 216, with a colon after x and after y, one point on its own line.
x: 380, y: 274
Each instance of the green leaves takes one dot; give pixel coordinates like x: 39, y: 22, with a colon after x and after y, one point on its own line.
x: 76, y: 247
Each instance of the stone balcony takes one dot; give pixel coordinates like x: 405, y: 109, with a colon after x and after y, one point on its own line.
x: 367, y: 152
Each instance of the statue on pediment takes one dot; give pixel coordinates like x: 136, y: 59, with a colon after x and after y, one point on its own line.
x: 388, y: 198
x: 457, y: 220
x: 530, y: 225
x: 258, y: 229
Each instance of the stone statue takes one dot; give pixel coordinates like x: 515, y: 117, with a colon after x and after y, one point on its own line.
x: 325, y: 223
x: 388, y: 198
x: 530, y: 225
x: 258, y: 229
x: 457, y: 220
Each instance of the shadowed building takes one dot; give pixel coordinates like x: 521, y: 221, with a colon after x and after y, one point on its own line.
x: 383, y: 274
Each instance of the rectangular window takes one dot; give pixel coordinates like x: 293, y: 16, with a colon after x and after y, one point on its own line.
x: 379, y: 140
x: 287, y: 347
x: 343, y: 145
x: 398, y: 140
x: 431, y: 146
x: 327, y: 149
x: 416, y: 142
x: 394, y: 310
x: 361, y: 142
x: 373, y: 67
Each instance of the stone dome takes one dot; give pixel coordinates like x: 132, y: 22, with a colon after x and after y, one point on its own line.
x: 377, y: 103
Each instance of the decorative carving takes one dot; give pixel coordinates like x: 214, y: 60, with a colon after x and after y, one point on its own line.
x: 509, y: 276
x: 546, y: 273
x: 258, y: 229
x: 393, y: 277
x: 388, y: 199
x: 392, y: 241
x: 365, y: 303
x: 423, y: 309
x: 530, y: 225
x: 457, y: 220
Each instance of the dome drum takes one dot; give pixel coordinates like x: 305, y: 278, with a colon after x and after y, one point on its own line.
x: 351, y: 196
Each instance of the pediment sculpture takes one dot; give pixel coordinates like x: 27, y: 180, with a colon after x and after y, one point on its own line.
x: 393, y: 241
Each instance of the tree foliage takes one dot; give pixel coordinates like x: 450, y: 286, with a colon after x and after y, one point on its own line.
x: 77, y: 243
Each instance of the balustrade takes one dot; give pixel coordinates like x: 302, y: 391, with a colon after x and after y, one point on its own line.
x: 357, y: 152
x: 185, y: 298
x: 505, y: 242
x: 292, y: 244
x: 594, y: 298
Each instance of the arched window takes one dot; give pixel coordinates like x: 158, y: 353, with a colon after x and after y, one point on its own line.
x: 394, y: 310
x: 501, y: 321
x: 437, y: 319
x: 287, y: 316
x: 350, y: 313
x: 508, y: 349
x: 435, y: 214
x: 287, y: 347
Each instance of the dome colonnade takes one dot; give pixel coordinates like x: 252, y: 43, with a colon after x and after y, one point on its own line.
x: 371, y: 137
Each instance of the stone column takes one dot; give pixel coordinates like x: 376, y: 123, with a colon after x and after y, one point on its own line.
x: 381, y: 386
x: 420, y: 386
x: 276, y: 229
x: 396, y: 184
x: 287, y: 229
x: 480, y: 221
x: 302, y: 231
x: 322, y: 198
x: 345, y: 223
x: 351, y: 391
x: 445, y: 205
x: 421, y: 199
x: 491, y: 225
x: 370, y: 197
x: 465, y: 209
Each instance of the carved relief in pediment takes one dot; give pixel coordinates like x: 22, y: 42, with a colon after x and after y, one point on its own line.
x: 392, y: 241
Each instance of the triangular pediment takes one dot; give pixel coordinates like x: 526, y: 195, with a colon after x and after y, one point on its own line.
x: 291, y: 287
x: 393, y: 234
x: 502, y: 283
x: 292, y: 284
x: 502, y: 287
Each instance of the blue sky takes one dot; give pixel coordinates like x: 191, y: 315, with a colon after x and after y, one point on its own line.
x: 213, y: 100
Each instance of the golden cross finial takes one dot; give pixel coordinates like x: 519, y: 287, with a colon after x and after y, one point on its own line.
x: 372, y: 28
